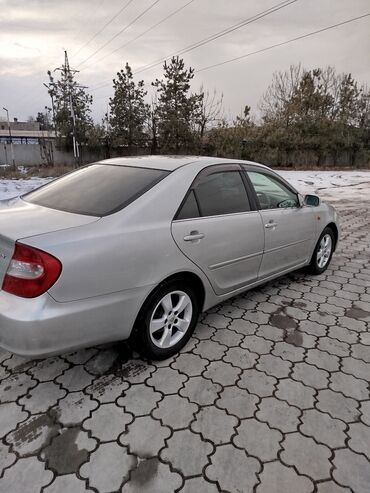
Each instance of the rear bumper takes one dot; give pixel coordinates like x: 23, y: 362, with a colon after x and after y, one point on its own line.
x: 41, y: 326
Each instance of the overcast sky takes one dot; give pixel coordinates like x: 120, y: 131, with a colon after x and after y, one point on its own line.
x: 34, y: 33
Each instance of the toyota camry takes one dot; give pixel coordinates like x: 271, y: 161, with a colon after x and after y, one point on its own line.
x: 136, y: 248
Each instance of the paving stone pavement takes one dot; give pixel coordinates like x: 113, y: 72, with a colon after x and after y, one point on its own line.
x: 271, y: 395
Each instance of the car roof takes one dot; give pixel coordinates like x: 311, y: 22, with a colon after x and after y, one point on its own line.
x: 171, y: 163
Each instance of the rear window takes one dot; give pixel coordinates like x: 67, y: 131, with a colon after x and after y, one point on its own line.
x: 96, y: 190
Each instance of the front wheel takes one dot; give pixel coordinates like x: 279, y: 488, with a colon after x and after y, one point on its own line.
x: 323, y: 252
x: 167, y: 320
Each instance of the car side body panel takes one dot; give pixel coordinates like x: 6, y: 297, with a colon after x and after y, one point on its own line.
x: 112, y: 264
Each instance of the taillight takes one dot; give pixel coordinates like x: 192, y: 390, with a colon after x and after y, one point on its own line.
x: 31, y: 272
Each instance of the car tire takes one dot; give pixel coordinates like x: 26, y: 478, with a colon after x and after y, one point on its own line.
x: 160, y: 330
x: 323, y: 252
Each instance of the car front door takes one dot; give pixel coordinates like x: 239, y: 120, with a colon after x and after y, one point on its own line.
x: 289, y: 228
x: 219, y: 228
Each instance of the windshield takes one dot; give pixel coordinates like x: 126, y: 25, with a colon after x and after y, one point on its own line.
x: 96, y: 190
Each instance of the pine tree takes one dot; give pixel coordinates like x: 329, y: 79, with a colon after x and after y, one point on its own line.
x: 178, y: 110
x: 63, y: 91
x: 128, y: 109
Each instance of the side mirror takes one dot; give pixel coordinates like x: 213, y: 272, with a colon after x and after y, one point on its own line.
x: 311, y: 200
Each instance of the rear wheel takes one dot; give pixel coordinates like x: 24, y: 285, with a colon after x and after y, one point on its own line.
x: 167, y: 320
x: 323, y: 252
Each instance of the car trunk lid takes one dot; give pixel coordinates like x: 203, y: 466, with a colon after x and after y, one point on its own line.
x: 6, y: 252
x: 21, y: 220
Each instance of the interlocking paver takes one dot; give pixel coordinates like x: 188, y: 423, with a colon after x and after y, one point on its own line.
x: 14, y: 386
x: 257, y: 344
x: 74, y: 408
x: 310, y: 375
x: 323, y: 428
x: 33, y: 434
x: 243, y: 327
x: 365, y: 412
x: 114, y: 461
x: 288, y: 352
x: 7, y: 458
x: 359, y: 438
x: 49, y: 369
x: 107, y: 388
x: 139, y: 399
x: 190, y: 364
x: 17, y: 479
x: 150, y: 476
x: 198, y: 485
x: 331, y: 487
x: 76, y: 378
x: 167, y: 380
x: 322, y: 360
x: 216, y: 320
x: 68, y: 483
x: 240, y: 358
x: 278, y: 414
x: 214, y: 425
x: 349, y: 386
x: 201, y: 391
x: 295, y: 393
x: 274, y: 366
x: 258, y: 439
x: 145, y: 437
x: 10, y: 415
x: 222, y: 373
x: 107, y: 422
x: 42, y: 397
x: 211, y: 350
x: 68, y: 450
x: 333, y: 346
x: 257, y: 382
x: 175, y: 411
x: 238, y: 402
x: 278, y: 478
x: 352, y: 470
x: 271, y: 394
x: 337, y: 405
x: 233, y: 470
x: 357, y: 368
x: 307, y: 456
x: 227, y: 337
x: 343, y: 334
x: 187, y: 452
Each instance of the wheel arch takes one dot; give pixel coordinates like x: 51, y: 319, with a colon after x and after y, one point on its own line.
x: 193, y: 279
x: 335, y: 230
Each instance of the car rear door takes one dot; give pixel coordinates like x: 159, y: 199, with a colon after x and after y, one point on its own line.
x: 288, y: 227
x: 219, y: 228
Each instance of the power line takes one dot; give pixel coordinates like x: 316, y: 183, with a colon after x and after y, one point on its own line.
x: 214, y: 36
x: 104, y: 27
x: 209, y: 39
x: 121, y: 31
x: 145, y: 32
x: 297, y: 38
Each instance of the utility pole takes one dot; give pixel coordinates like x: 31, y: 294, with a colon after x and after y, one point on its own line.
x: 67, y: 73
x: 11, y: 139
x: 69, y: 102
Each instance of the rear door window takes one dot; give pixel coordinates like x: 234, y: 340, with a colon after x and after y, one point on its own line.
x: 96, y: 190
x: 222, y: 193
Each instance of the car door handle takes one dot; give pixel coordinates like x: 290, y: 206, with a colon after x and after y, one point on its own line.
x: 270, y: 225
x: 194, y: 236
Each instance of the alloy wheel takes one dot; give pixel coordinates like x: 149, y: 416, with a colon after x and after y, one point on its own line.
x: 170, y: 319
x: 324, y: 251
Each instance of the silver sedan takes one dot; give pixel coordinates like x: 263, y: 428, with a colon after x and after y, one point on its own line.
x: 136, y: 248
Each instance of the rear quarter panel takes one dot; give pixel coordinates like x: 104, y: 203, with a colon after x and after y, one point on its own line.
x: 129, y: 249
